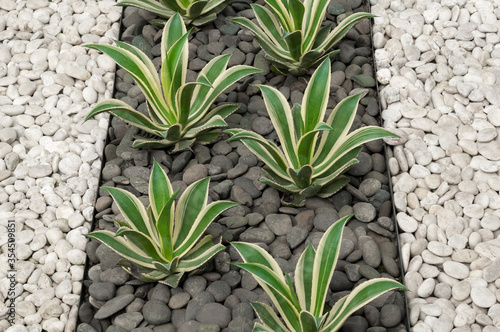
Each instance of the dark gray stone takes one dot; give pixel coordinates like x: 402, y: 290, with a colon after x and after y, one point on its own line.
x: 116, y: 275
x: 181, y: 161
x: 156, y: 312
x: 325, y: 217
x: 364, y: 212
x: 214, y: 313
x: 220, y: 289
x: 255, y: 235
x: 113, y: 306
x: 371, y: 254
x: 102, y: 291
x: 279, y: 224
x: 179, y: 300
x: 390, y: 315
x: 161, y: 292
x: 296, y: 236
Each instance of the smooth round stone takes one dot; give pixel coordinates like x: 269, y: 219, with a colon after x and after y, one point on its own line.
x: 482, y: 297
x: 439, y: 249
x: 456, y: 270
x: 364, y: 212
x: 461, y: 290
x: 426, y: 288
x: 406, y: 223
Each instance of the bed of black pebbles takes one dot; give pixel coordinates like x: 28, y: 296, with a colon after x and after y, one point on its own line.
x: 219, y: 299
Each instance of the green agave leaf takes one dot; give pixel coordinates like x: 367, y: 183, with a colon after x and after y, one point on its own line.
x: 149, y: 5
x: 195, y: 8
x: 316, y: 97
x: 173, y: 69
x: 202, y: 20
x: 324, y: 264
x: 215, y: 121
x: 122, y: 247
x: 340, y: 120
x: 189, y: 206
x: 165, y: 226
x: 285, y: 189
x: 208, y: 75
x: 173, y: 31
x: 221, y: 83
x: 183, y: 100
x: 314, y: 14
x: 264, y: 41
x: 304, y: 278
x: 356, y: 139
x: 268, y: 173
x: 132, y: 209
x: 144, y: 58
x: 294, y: 41
x: 297, y: 10
x: 139, y: 72
x: 285, y: 302
x: 321, y: 35
x: 183, y: 145
x: 311, y: 57
x: 160, y: 189
x: 207, y: 137
x: 198, y: 227
x: 172, y: 280
x: 200, y: 254
x: 308, y: 322
x: 163, y: 267
x: 281, y: 11
x: 297, y: 121
x: 333, y: 187
x: 141, y: 142
x: 174, y: 133
x: 307, y: 144
x: 267, y: 315
x: 359, y: 297
x: 215, y: 6
x: 223, y: 111
x: 145, y: 243
x: 303, y: 177
x: 123, y: 111
x: 270, y: 25
x: 265, y: 150
x: 261, y: 328
x: 310, y: 191
x: 282, y: 119
x: 342, y: 29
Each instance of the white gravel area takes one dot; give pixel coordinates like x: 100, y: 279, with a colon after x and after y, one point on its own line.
x: 50, y: 160
x: 438, y: 63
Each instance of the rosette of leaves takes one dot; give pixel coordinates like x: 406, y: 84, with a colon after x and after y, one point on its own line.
x: 313, y: 154
x: 303, y: 308
x: 162, y: 242
x: 193, y: 12
x: 179, y: 113
x: 291, y: 34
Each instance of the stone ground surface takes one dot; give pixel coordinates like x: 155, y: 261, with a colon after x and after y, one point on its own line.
x: 438, y: 63
x: 49, y: 158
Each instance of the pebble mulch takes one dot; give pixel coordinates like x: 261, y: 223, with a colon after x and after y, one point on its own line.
x: 439, y: 63
x: 50, y: 160
x: 218, y: 300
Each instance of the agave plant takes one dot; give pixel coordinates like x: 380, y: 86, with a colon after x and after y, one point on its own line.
x: 293, y: 38
x: 313, y: 153
x: 302, y: 307
x: 193, y: 12
x: 160, y: 243
x: 179, y: 112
